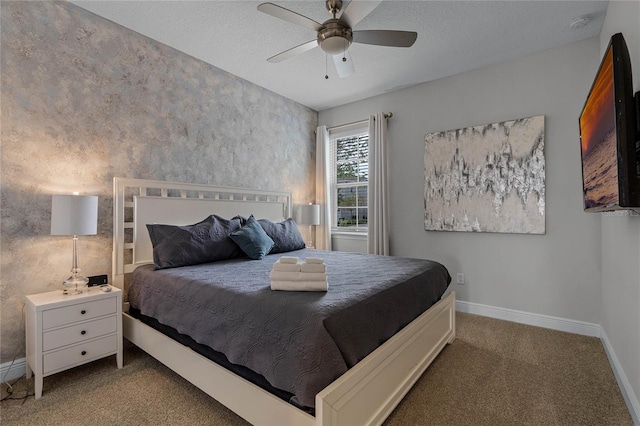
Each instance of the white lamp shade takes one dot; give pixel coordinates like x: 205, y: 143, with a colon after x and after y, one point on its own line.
x: 310, y: 214
x: 74, y: 215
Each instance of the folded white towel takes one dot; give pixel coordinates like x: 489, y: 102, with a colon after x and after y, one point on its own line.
x: 300, y: 285
x: 313, y: 276
x: 297, y: 276
x: 287, y: 267
x: 313, y: 267
x: 284, y: 276
x: 288, y: 259
x: 314, y: 260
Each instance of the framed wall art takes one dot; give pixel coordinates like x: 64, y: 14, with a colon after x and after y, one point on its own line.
x: 488, y: 178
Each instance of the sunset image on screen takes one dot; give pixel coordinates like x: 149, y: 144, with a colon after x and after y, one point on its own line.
x: 598, y: 140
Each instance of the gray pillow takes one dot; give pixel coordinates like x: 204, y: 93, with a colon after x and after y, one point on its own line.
x: 284, y: 234
x: 204, y: 242
x: 252, y: 239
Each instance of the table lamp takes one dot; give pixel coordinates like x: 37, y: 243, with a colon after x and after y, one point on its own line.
x: 74, y: 215
x: 310, y: 215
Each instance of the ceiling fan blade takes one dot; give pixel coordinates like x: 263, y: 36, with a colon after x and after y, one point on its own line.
x: 356, y: 12
x: 385, y: 37
x: 293, y: 51
x: 290, y: 16
x: 343, y: 68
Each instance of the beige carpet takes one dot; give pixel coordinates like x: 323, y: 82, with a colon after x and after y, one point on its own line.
x: 495, y: 373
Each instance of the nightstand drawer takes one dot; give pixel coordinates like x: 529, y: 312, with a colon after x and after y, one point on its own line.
x: 79, y: 354
x: 79, y: 332
x: 79, y: 312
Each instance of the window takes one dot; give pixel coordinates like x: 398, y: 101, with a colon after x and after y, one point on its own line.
x: 349, y: 178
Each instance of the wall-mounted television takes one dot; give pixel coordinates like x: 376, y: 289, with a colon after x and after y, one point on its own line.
x: 609, y: 135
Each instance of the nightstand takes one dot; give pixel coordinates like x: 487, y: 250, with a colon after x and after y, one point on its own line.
x: 65, y: 330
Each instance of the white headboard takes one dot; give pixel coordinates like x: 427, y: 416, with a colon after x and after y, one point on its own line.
x: 137, y: 202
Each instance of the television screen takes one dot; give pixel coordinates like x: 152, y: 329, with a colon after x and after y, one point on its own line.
x: 608, y: 136
x: 598, y: 140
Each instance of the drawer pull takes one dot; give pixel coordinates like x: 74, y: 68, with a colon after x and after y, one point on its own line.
x: 83, y: 312
x: 83, y: 332
x: 84, y: 352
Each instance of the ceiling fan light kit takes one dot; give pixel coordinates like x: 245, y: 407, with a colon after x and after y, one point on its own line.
x: 336, y: 35
x: 335, y: 39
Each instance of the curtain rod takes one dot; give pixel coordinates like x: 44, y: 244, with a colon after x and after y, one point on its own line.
x: 386, y: 115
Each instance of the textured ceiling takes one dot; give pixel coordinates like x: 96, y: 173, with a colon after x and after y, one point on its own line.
x: 453, y: 37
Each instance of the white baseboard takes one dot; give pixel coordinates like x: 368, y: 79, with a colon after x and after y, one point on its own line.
x: 538, y: 320
x: 570, y: 326
x: 18, y: 369
x: 630, y: 398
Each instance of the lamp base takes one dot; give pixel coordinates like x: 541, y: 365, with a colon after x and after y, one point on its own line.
x: 309, y: 244
x: 75, y: 285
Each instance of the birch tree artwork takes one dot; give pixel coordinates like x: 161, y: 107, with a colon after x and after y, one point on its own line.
x: 488, y: 178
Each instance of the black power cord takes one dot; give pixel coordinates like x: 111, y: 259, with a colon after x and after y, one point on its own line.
x: 9, y: 396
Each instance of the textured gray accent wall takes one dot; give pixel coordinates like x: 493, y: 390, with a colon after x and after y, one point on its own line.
x: 84, y: 100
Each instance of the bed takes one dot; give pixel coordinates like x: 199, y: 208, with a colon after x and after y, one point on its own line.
x: 364, y: 389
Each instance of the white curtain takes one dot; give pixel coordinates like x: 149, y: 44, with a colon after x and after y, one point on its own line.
x: 323, y: 190
x: 378, y: 209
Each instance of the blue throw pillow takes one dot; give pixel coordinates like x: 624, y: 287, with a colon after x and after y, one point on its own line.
x: 252, y: 239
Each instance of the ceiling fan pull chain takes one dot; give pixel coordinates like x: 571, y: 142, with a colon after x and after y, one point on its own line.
x: 326, y: 66
x: 344, y: 50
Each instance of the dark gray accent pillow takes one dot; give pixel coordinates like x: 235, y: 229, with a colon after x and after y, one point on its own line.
x: 285, y: 234
x: 252, y: 239
x: 204, y: 242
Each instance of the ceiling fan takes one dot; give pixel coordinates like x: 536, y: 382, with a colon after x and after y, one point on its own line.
x: 335, y: 35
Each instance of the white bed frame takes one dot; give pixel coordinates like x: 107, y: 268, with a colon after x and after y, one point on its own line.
x: 365, y: 395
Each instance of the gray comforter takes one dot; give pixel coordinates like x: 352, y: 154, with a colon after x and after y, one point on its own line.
x: 299, y: 341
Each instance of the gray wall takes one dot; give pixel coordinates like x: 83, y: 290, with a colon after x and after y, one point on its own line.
x: 354, y: 243
x: 556, y: 274
x: 84, y: 100
x: 621, y: 234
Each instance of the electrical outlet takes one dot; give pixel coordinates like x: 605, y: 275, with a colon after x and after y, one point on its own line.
x: 460, y: 279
